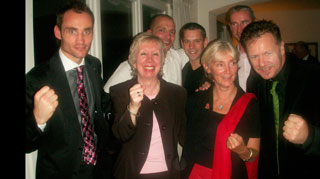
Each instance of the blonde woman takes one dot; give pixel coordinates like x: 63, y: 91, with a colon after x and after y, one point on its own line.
x: 149, y: 115
x: 223, y: 126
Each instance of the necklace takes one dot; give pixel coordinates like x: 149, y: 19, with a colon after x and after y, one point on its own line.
x: 220, y: 107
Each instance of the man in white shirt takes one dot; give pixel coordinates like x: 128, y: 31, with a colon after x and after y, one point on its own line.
x: 163, y: 27
x: 238, y: 17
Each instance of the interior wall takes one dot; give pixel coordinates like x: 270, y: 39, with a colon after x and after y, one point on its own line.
x: 295, y: 25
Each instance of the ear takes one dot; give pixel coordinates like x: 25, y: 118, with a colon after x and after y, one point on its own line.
x: 134, y: 66
x: 149, y: 30
x: 283, y: 51
x: 57, y: 32
x: 205, y: 42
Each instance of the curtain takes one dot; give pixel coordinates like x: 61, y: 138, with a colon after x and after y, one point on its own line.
x: 181, y: 15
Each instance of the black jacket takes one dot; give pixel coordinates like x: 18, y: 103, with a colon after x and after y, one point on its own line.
x: 60, y: 144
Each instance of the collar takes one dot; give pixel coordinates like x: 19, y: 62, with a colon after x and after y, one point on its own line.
x: 306, y: 57
x: 283, y: 75
x: 67, y: 63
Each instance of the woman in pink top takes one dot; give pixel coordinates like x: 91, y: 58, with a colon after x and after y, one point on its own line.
x: 149, y: 115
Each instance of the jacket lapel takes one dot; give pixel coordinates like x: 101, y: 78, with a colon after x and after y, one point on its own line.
x: 60, y: 84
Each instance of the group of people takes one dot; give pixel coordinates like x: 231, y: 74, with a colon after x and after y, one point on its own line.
x: 238, y: 112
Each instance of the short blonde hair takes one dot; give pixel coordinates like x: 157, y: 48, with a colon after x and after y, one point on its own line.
x: 216, y: 50
x: 137, y: 41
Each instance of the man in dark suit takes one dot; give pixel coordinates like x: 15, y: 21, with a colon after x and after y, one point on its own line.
x: 65, y: 102
x: 302, y: 51
x: 288, y: 94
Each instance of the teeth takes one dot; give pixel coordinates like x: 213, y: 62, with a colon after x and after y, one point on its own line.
x: 149, y: 68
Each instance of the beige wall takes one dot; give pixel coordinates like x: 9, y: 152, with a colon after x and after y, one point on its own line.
x: 295, y: 25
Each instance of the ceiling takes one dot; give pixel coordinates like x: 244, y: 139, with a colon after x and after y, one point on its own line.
x: 276, y: 5
x: 279, y: 5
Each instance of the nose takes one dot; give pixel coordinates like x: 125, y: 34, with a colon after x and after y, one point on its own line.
x: 149, y: 58
x: 80, y: 38
x: 191, y: 45
x: 261, y: 62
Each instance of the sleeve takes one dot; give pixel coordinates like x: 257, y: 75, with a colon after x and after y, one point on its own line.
x: 312, y: 144
x: 122, y: 73
x: 122, y: 128
x: 251, y: 125
x: 183, y: 57
x: 33, y: 132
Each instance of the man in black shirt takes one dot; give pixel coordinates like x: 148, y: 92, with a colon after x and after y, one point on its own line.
x: 289, y: 104
x: 193, y: 40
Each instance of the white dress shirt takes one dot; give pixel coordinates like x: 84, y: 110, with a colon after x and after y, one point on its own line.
x: 172, y: 69
x: 244, y: 69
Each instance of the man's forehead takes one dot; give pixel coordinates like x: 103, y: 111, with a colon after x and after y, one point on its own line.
x: 162, y: 20
x: 240, y: 15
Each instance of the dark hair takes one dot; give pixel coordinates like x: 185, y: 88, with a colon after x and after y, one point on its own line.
x: 192, y: 26
x: 153, y: 19
x: 258, y: 28
x: 238, y: 8
x: 77, y: 6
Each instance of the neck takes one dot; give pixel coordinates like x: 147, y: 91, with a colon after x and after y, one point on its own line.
x: 224, y: 93
x: 195, y: 64
x: 152, y: 86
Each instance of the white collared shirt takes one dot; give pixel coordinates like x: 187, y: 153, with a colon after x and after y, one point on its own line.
x: 244, y: 69
x: 67, y: 63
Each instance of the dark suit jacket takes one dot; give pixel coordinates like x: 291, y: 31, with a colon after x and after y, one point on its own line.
x: 60, y: 144
x: 302, y: 97
x: 168, y: 106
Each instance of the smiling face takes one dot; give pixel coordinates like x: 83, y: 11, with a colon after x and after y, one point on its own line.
x: 266, y: 55
x: 164, y: 28
x: 75, y: 35
x: 223, y: 69
x: 148, y: 60
x: 193, y: 43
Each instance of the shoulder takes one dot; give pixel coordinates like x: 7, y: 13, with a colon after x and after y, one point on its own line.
x: 91, y: 60
x: 122, y: 87
x: 41, y: 71
x: 173, y: 87
x: 178, y: 55
x: 172, y: 91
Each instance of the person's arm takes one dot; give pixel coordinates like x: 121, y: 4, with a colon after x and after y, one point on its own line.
x: 122, y: 73
x: 247, y: 152
x: 125, y: 111
x: 297, y: 131
x: 40, y: 106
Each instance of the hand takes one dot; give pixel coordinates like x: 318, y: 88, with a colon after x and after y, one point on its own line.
x: 206, y: 85
x: 295, y: 129
x: 235, y: 143
x: 136, y: 96
x: 45, y: 103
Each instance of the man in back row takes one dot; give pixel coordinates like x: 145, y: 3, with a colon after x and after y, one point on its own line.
x: 163, y: 27
x: 238, y: 17
x: 193, y: 41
